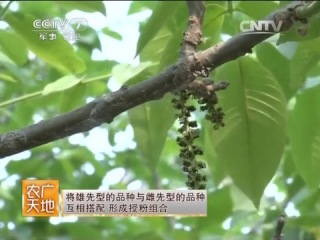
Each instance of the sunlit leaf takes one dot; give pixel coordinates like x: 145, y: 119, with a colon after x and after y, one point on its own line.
x: 59, y: 53
x: 61, y: 84
x: 6, y: 77
x: 255, y: 120
x: 13, y: 47
x: 162, y: 12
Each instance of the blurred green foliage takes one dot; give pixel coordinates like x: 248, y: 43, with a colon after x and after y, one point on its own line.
x: 272, y: 133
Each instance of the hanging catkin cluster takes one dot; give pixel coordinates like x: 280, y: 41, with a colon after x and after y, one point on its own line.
x: 204, y: 92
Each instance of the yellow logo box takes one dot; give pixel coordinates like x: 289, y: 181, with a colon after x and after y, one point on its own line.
x: 40, y: 198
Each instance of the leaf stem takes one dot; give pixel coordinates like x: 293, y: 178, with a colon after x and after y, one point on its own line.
x: 5, y: 9
x: 39, y: 93
x: 18, y: 99
x: 93, y: 79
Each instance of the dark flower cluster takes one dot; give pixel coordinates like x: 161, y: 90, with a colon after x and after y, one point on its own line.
x: 204, y: 92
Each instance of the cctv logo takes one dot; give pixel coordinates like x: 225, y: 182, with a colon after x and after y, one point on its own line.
x: 80, y: 24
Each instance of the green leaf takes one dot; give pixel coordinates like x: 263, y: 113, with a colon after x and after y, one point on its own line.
x: 6, y: 77
x: 99, y: 69
x: 289, y: 168
x: 240, y: 200
x: 315, y: 70
x: 147, y: 235
x: 21, y: 116
x: 133, y: 161
x: 306, y: 56
x: 11, y: 67
x: 111, y: 33
x: 5, y: 194
x: 139, y: 6
x: 252, y: 143
x: 142, y: 76
x: 123, y: 72
x: 41, y: 9
x: 168, y: 53
x: 220, y: 205
x: 254, y: 9
x: 85, y: 6
x: 58, y: 53
x: 61, y: 84
x: 82, y: 230
x: 180, y: 234
x: 154, y: 51
x: 231, y: 23
x: 89, y: 39
x: 72, y: 98
x: 12, y: 45
x: 308, y: 220
x: 271, y: 58
x: 216, y: 166
x: 212, y: 23
x: 165, y: 46
x: 163, y: 11
x: 304, y: 136
x: 25, y: 168
x: 151, y: 122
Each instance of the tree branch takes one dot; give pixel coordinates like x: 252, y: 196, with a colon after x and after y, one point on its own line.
x: 189, y: 66
x: 192, y: 38
x: 309, y: 10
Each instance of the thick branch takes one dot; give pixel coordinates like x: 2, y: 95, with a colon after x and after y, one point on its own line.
x: 244, y: 42
x: 108, y: 107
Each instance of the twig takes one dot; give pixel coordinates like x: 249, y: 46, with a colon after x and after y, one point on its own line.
x: 279, y: 227
x: 192, y: 37
x: 308, y: 10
